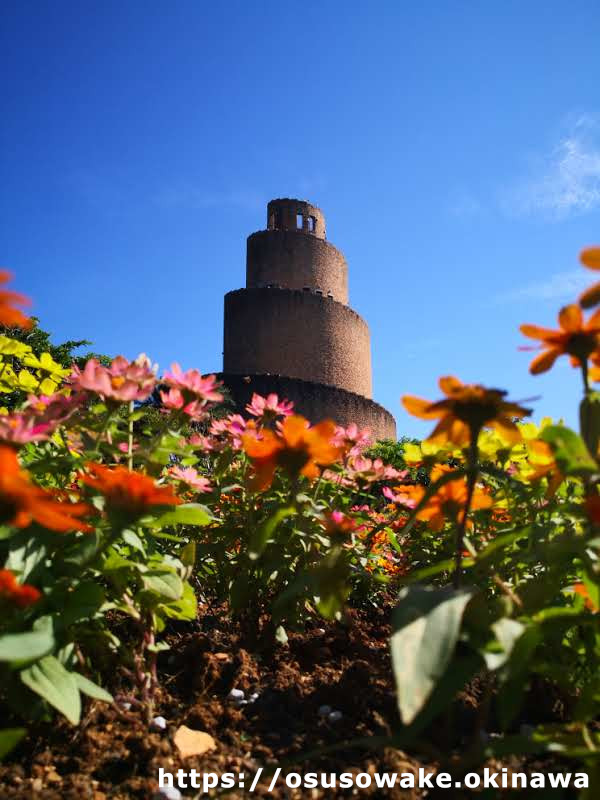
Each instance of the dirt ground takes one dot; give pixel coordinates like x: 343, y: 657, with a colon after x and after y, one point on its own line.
x: 330, y: 684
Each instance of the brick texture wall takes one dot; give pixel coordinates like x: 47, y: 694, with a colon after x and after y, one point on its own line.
x: 314, y: 401
x: 299, y: 334
x: 292, y: 259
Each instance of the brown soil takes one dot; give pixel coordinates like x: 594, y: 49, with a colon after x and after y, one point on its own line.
x: 114, y: 754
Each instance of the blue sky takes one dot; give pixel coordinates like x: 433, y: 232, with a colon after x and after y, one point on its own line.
x: 454, y: 148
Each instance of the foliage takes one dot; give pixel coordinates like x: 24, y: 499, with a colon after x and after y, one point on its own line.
x: 122, y: 494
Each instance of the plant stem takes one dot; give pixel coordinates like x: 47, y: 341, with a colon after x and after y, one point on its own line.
x: 130, y: 438
x: 460, y: 530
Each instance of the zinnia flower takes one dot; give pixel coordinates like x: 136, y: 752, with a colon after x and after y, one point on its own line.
x: 338, y: 523
x: 19, y: 429
x: 448, y: 503
x: 352, y: 439
x: 10, y: 316
x: 126, y: 492
x: 192, y: 477
x: 466, y: 409
x: 230, y: 428
x: 270, y: 407
x: 193, y: 385
x: 576, y: 338
x: 590, y: 258
x: 296, y: 447
x: 22, y: 503
x: 18, y: 594
x: 123, y: 381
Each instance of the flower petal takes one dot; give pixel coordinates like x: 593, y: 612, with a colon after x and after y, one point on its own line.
x: 570, y: 318
x: 419, y: 408
x: 535, y: 332
x: 449, y: 384
x: 544, y: 361
x: 590, y: 257
x: 591, y: 296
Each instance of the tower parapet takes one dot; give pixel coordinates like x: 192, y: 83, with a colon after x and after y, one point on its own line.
x: 294, y: 254
x: 292, y: 323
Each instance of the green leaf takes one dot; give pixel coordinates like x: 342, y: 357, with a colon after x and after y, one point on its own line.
x: 92, y: 689
x: 26, y: 646
x: 82, y: 603
x: 56, y: 685
x: 188, y: 554
x: 570, y: 452
x: 9, y: 739
x: 426, y: 624
x: 457, y: 675
x: 163, y: 583
x: 261, y: 535
x: 186, y: 514
x: 185, y: 607
x: 133, y: 540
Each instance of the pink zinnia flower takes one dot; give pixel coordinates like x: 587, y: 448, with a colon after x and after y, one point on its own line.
x: 270, y: 407
x: 19, y: 428
x: 200, y: 442
x: 353, y: 440
x: 193, y: 479
x: 175, y: 401
x: 336, y: 522
x: 53, y: 408
x: 123, y: 381
x: 370, y: 470
x: 230, y: 429
x: 400, y: 497
x: 193, y: 385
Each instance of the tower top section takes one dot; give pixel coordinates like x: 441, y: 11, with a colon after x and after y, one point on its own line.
x: 287, y: 214
x: 292, y: 253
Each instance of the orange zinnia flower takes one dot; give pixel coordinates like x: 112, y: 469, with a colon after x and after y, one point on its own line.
x: 590, y: 258
x: 449, y: 502
x: 466, y: 409
x: 296, y: 447
x: 21, y: 595
x: 10, y: 316
x: 21, y: 502
x: 581, y: 589
x: 126, y: 492
x: 576, y: 338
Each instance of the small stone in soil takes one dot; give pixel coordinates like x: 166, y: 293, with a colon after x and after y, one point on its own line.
x: 324, y: 711
x: 236, y: 694
x: 335, y: 716
x: 253, y: 697
x: 126, y: 706
x: 168, y: 793
x: 160, y: 723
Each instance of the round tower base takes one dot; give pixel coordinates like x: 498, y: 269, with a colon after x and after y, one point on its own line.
x: 315, y: 401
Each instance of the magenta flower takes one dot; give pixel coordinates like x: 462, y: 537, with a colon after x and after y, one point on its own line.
x: 200, y: 442
x: 21, y: 428
x: 54, y: 408
x: 191, y: 476
x: 270, y: 407
x: 369, y: 470
x: 193, y: 385
x: 400, y: 497
x: 229, y: 430
x: 352, y: 439
x: 174, y: 400
x: 123, y: 381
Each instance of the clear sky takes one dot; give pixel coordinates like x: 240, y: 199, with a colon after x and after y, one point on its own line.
x: 453, y: 146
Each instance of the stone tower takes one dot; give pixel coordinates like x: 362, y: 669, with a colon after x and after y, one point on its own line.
x: 291, y: 330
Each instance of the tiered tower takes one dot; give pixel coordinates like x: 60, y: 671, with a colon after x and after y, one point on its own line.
x: 291, y: 330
